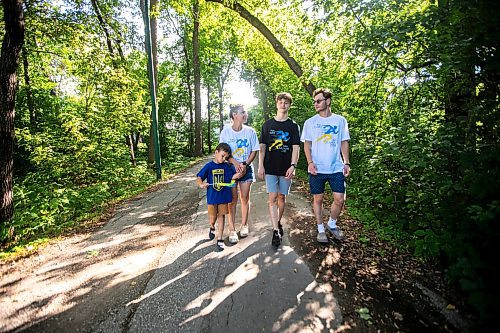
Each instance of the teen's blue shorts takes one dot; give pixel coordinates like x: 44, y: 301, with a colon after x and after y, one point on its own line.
x: 278, y: 184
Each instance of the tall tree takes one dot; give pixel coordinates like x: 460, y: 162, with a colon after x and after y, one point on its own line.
x: 9, y: 62
x: 187, y: 59
x: 198, y: 147
x: 29, y: 93
x: 209, y: 118
x: 154, y: 46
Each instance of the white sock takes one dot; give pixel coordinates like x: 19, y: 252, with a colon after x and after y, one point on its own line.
x: 321, y: 228
x: 332, y: 223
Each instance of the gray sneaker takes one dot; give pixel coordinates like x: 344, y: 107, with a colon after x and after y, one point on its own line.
x: 322, y: 237
x: 335, y: 232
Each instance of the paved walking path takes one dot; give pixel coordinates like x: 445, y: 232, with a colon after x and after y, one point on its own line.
x: 148, y: 271
x: 248, y: 287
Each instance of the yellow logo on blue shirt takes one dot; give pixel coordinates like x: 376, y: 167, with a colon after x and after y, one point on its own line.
x: 218, y: 177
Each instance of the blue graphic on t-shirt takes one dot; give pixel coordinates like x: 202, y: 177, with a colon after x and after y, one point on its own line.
x: 240, y: 143
x: 328, y: 130
x: 279, y: 137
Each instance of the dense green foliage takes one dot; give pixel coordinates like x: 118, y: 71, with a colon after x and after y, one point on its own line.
x: 417, y: 80
x: 422, y: 103
x: 73, y: 155
x: 431, y: 170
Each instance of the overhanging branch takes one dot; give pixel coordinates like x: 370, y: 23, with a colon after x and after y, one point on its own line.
x: 276, y: 44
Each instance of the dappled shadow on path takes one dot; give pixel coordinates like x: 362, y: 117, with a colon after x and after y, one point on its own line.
x: 253, y: 288
x: 84, y: 277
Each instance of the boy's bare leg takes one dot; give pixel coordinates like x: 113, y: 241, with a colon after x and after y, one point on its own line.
x: 318, y: 208
x: 211, y: 220
x: 220, y: 227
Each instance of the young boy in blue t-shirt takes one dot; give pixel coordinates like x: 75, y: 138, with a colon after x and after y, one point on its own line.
x: 219, y: 176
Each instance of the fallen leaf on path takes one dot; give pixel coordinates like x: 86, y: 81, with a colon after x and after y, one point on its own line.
x: 92, y: 253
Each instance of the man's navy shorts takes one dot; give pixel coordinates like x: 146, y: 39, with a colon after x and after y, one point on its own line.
x: 336, y: 181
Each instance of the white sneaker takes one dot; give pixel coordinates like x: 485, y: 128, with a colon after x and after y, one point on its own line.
x: 244, y: 231
x: 233, y: 237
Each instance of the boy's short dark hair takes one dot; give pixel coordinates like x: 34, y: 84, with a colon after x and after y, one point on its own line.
x: 224, y: 147
x: 284, y: 95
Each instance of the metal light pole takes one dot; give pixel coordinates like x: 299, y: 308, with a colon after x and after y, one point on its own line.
x: 152, y: 91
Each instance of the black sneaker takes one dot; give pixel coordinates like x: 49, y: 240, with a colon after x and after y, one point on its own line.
x: 276, y: 238
x: 220, y: 245
x: 280, y: 228
x: 211, y: 233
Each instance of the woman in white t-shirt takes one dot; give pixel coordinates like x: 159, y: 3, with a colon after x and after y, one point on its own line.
x: 244, y: 146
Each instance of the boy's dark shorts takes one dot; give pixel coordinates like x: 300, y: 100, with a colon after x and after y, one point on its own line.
x: 336, y: 181
x: 218, y: 210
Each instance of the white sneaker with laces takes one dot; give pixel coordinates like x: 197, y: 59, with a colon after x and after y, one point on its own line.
x: 233, y: 237
x: 244, y: 231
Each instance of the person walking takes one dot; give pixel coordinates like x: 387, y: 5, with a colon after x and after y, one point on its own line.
x: 278, y: 157
x: 244, y: 146
x: 218, y: 175
x: 326, y: 146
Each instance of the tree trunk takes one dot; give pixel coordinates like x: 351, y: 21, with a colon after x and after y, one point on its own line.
x: 221, y: 81
x: 130, y: 143
x: 137, y: 139
x: 190, y: 92
x: 29, y: 93
x: 198, y: 149
x: 154, y: 41
x: 278, y: 47
x: 220, y: 88
x: 9, y: 62
x: 263, y: 98
x: 209, y: 121
x: 103, y: 26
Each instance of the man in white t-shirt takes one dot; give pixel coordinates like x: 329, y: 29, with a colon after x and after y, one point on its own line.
x: 326, y: 146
